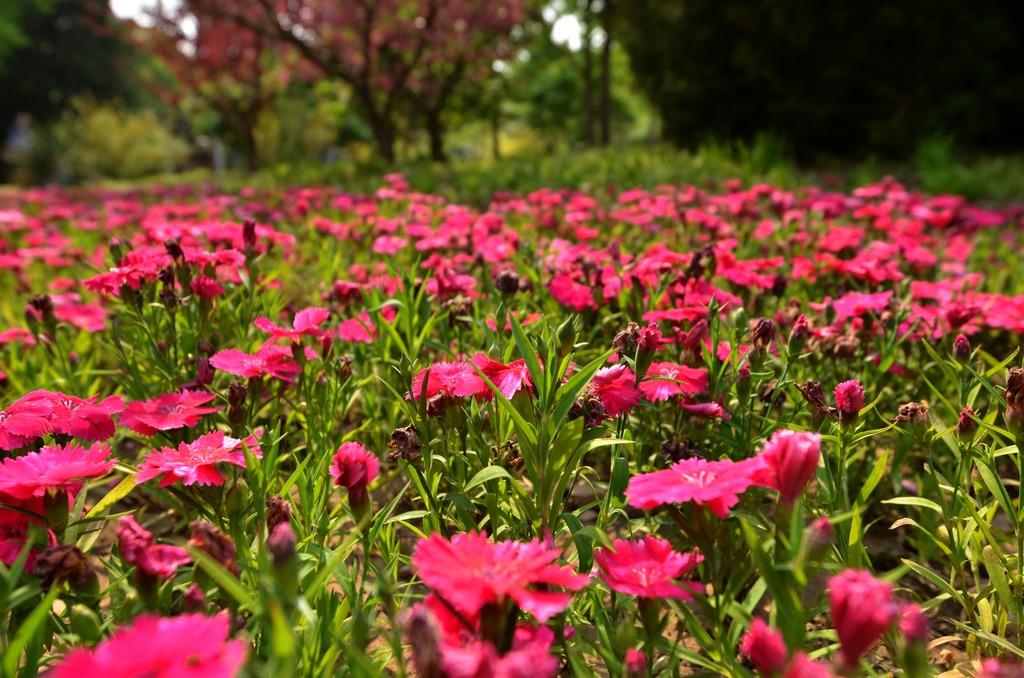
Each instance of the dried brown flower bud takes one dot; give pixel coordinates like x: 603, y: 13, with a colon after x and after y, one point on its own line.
x: 763, y: 334
x: 279, y: 510
x: 66, y: 563
x: 507, y: 282
x: 214, y: 543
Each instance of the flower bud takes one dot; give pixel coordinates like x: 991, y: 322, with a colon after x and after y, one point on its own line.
x: 862, y: 609
x: 961, y: 349
x: 636, y: 663
x: 765, y: 648
x: 1014, y: 414
x: 214, y: 543
x: 966, y: 426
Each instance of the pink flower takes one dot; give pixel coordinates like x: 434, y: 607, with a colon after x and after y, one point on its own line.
x: 715, y: 484
x: 194, y: 462
x: 645, y: 567
x: 80, y: 418
x: 790, y: 462
x: 616, y: 388
x: 23, y: 421
x: 15, y: 528
x: 54, y: 467
x: 354, y: 468
x: 862, y: 609
x: 913, y: 622
x: 206, y: 288
x: 572, y: 294
x: 636, y: 663
x: 509, y: 379
x: 449, y: 379
x: 136, y: 547
x: 665, y: 380
x: 273, y: 360
x: 802, y: 666
x: 470, y: 572
x: 850, y: 397
x: 192, y: 645
x: 708, y: 410
x: 765, y: 648
x: 167, y: 412
x: 530, y: 657
x: 307, y: 323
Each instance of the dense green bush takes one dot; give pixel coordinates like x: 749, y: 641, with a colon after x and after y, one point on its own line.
x: 95, y: 141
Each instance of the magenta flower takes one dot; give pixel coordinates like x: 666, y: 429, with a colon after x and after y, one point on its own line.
x: 510, y: 379
x: 850, y: 396
x: 275, y: 361
x: 530, y: 657
x: 449, y: 379
x: 307, y: 323
x: 862, y: 609
x: 206, y: 288
x: 616, y: 388
x: 195, y: 462
x: 707, y: 410
x: 14, y: 535
x: 136, y: 547
x: 23, y: 421
x: 715, y: 484
x: 78, y: 417
x: 354, y: 468
x: 765, y: 648
x: 191, y: 645
x: 913, y: 622
x: 167, y: 412
x: 55, y: 467
x: 790, y: 461
x: 646, y: 567
x: 665, y: 380
x: 470, y: 571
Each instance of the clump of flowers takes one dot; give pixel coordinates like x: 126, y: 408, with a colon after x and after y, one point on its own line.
x: 192, y: 644
x: 195, y: 462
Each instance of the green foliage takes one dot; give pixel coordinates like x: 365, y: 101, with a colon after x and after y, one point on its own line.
x: 94, y: 140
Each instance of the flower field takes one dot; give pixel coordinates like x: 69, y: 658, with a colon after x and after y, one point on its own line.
x: 722, y: 430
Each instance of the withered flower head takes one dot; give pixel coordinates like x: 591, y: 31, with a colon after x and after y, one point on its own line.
x: 507, y: 282
x: 174, y: 249
x: 65, y: 563
x: 1014, y: 414
x: 763, y: 333
x: 214, y: 543
x: 404, y: 444
x: 279, y: 510
x: 626, y: 340
x: 423, y: 634
x: 677, y: 450
x: 812, y: 393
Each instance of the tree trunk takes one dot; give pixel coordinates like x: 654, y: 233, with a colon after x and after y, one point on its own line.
x: 248, y: 134
x: 588, y: 79
x: 606, y: 75
x: 384, y: 135
x: 496, y: 134
x: 435, y: 130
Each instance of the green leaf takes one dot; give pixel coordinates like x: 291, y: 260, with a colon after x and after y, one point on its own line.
x: 32, y: 625
x: 941, y: 583
x: 227, y: 582
x: 997, y: 575
x: 122, y: 490
x: 915, y: 501
x: 998, y: 490
x: 487, y: 473
x: 872, y: 482
x: 584, y: 544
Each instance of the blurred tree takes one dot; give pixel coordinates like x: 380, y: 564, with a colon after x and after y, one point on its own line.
x: 838, y: 77
x: 61, y: 48
x: 229, y: 68
x: 389, y: 51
